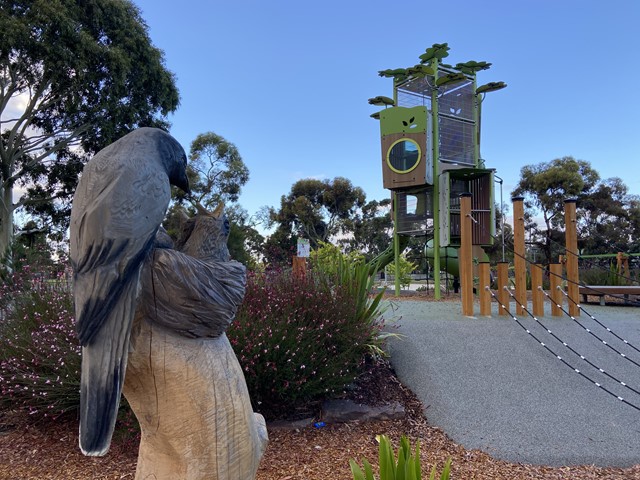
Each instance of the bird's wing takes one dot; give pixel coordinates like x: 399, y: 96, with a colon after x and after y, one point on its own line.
x: 190, y: 297
x: 113, y: 227
x: 115, y: 215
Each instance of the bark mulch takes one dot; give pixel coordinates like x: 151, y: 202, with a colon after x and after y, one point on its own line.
x: 49, y: 451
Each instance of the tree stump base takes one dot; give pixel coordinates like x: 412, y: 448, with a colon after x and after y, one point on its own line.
x: 192, y: 403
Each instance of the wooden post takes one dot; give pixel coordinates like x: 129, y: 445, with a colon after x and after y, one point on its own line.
x: 623, y: 266
x: 484, y: 294
x: 299, y: 267
x: 555, y: 269
x: 519, y: 252
x: 503, y: 281
x: 537, y: 296
x: 465, y: 256
x: 571, y: 240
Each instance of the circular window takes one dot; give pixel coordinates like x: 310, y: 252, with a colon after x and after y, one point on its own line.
x: 403, y: 155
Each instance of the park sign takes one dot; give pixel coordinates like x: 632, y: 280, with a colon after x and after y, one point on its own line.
x: 303, y: 247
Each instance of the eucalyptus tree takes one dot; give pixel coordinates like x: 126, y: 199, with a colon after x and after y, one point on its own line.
x: 216, y: 171
x: 606, y: 211
x: 318, y: 209
x: 74, y: 77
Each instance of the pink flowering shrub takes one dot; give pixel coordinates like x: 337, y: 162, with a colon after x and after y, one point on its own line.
x: 39, y: 352
x: 298, y: 340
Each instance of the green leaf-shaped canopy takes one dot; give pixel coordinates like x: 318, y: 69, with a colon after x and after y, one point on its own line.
x: 438, y: 50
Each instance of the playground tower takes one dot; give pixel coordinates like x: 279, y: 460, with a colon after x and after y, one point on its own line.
x: 430, y: 138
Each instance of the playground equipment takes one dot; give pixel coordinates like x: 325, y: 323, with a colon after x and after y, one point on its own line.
x: 563, y: 276
x: 536, y: 272
x: 430, y: 138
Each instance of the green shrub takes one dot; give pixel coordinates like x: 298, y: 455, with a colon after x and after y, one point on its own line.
x: 39, y: 352
x: 357, y: 277
x: 604, y: 276
x: 330, y: 260
x: 406, y: 268
x: 406, y: 467
x: 299, y: 340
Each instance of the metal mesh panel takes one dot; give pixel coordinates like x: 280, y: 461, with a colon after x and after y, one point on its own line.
x: 416, y: 93
x: 456, y: 106
x: 415, y: 212
x: 456, y: 140
x: 457, y: 100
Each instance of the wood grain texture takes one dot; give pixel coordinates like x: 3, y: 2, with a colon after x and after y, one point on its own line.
x: 191, y: 400
x: 120, y: 201
x: 184, y: 382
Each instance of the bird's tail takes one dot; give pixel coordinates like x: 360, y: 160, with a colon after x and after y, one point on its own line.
x: 104, y: 363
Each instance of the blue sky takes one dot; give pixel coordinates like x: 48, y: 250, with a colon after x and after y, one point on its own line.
x: 288, y: 81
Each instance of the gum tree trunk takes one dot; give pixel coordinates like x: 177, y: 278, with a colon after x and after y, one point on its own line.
x: 6, y: 219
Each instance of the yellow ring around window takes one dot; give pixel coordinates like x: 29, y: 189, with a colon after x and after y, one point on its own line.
x: 404, y: 139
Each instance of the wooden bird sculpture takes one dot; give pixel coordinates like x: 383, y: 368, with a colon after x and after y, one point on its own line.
x: 119, y: 204
x: 184, y: 382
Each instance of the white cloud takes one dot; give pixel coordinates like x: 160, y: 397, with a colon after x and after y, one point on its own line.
x: 295, y: 176
x: 15, y: 107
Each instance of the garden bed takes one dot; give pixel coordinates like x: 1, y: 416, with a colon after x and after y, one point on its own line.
x: 49, y: 451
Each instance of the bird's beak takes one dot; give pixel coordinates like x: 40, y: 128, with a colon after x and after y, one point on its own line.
x: 183, y: 184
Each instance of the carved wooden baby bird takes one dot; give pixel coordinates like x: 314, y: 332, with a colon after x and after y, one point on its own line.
x: 184, y: 382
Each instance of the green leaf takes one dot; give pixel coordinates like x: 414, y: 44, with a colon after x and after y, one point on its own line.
x: 447, y: 470
x: 356, y: 471
x: 438, y: 50
x: 471, y: 67
x: 411, y: 469
x: 387, y: 463
x: 401, y: 469
x: 381, y: 101
x: 450, y: 78
x: 418, y: 465
x: 405, y: 447
x: 491, y: 86
x: 433, y: 473
x: 368, y: 471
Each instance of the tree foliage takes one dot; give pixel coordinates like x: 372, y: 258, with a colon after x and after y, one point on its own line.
x: 318, y: 209
x: 216, y: 171
x: 371, y: 228
x: 605, y: 224
x: 217, y: 174
x: 245, y: 242
x: 605, y: 209
x: 74, y: 77
x: 313, y: 209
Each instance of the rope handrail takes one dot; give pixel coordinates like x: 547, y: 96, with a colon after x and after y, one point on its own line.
x: 589, y: 330
x: 605, y: 389
x: 600, y: 323
x: 564, y: 278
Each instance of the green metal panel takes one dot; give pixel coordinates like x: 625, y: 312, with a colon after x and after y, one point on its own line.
x: 435, y: 135
x: 444, y: 217
x: 396, y: 244
x: 403, y: 120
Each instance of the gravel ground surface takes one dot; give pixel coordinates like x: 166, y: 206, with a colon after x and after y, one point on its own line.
x: 491, y: 386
